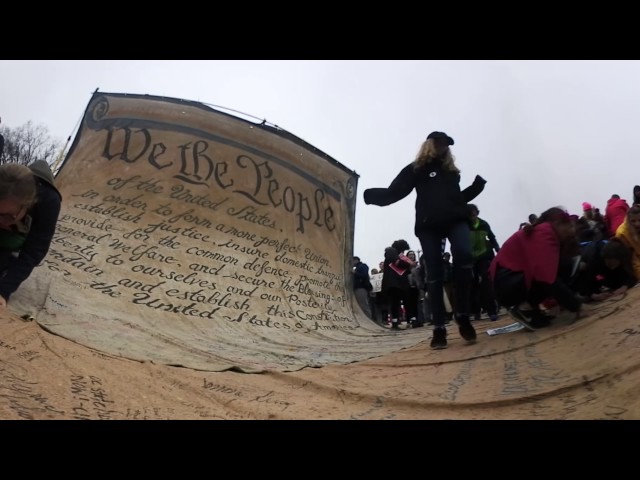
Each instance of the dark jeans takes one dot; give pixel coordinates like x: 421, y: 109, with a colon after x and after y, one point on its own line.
x: 395, y: 296
x: 481, y: 291
x: 460, y: 240
x: 510, y: 290
x: 424, y: 309
x: 412, y: 303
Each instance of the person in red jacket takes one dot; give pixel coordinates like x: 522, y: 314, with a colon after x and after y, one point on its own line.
x: 615, y: 212
x: 526, y: 269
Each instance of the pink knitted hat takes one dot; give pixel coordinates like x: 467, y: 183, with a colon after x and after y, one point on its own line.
x: 586, y: 206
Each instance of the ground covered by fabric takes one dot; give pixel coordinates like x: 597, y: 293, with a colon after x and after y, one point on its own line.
x: 582, y: 370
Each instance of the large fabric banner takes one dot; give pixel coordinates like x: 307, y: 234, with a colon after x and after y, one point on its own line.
x: 195, y: 238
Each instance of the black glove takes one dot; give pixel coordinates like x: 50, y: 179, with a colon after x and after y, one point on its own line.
x: 479, y: 179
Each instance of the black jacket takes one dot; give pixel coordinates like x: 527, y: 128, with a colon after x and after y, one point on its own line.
x: 391, y: 278
x: 361, y: 277
x: 439, y: 201
x: 44, y: 216
x: 597, y: 275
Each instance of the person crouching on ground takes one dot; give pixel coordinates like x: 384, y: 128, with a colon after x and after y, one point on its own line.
x: 607, y: 270
x: 29, y: 209
x: 525, y: 272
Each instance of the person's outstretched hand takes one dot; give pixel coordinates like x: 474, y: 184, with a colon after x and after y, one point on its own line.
x: 479, y: 179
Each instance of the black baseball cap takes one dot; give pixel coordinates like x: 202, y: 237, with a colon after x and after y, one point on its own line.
x: 441, y: 135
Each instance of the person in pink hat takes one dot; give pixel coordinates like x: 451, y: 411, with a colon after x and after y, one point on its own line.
x: 595, y: 220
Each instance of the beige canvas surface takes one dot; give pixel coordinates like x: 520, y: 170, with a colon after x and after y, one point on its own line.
x: 201, y: 270
x: 585, y: 370
x: 194, y: 238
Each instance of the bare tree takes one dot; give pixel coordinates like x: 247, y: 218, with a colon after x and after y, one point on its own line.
x: 28, y: 143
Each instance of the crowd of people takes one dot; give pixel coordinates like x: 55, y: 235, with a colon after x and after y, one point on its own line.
x: 553, y: 259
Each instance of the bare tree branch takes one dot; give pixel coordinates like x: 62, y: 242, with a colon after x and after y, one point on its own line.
x: 28, y: 143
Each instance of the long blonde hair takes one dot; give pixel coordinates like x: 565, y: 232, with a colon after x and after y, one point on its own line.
x: 427, y: 153
x: 17, y: 183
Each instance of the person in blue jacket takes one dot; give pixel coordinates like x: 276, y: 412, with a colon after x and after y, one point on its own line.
x: 441, y: 213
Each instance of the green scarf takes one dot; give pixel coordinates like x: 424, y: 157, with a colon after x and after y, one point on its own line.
x: 13, y: 240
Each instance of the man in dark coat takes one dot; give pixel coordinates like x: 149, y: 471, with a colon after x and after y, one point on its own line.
x: 362, y: 285
x: 27, y: 239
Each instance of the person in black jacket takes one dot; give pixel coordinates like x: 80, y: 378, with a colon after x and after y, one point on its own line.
x: 1, y: 143
x: 441, y: 212
x: 606, y: 270
x: 29, y: 209
x: 362, y: 285
x: 635, y: 199
x: 395, y: 283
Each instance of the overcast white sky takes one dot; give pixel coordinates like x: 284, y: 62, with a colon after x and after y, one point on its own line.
x: 542, y: 133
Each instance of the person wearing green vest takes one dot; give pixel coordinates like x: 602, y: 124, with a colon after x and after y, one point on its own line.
x: 483, y: 244
x: 29, y: 208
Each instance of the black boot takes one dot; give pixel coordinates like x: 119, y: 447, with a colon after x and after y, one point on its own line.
x: 439, y: 339
x: 466, y: 329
